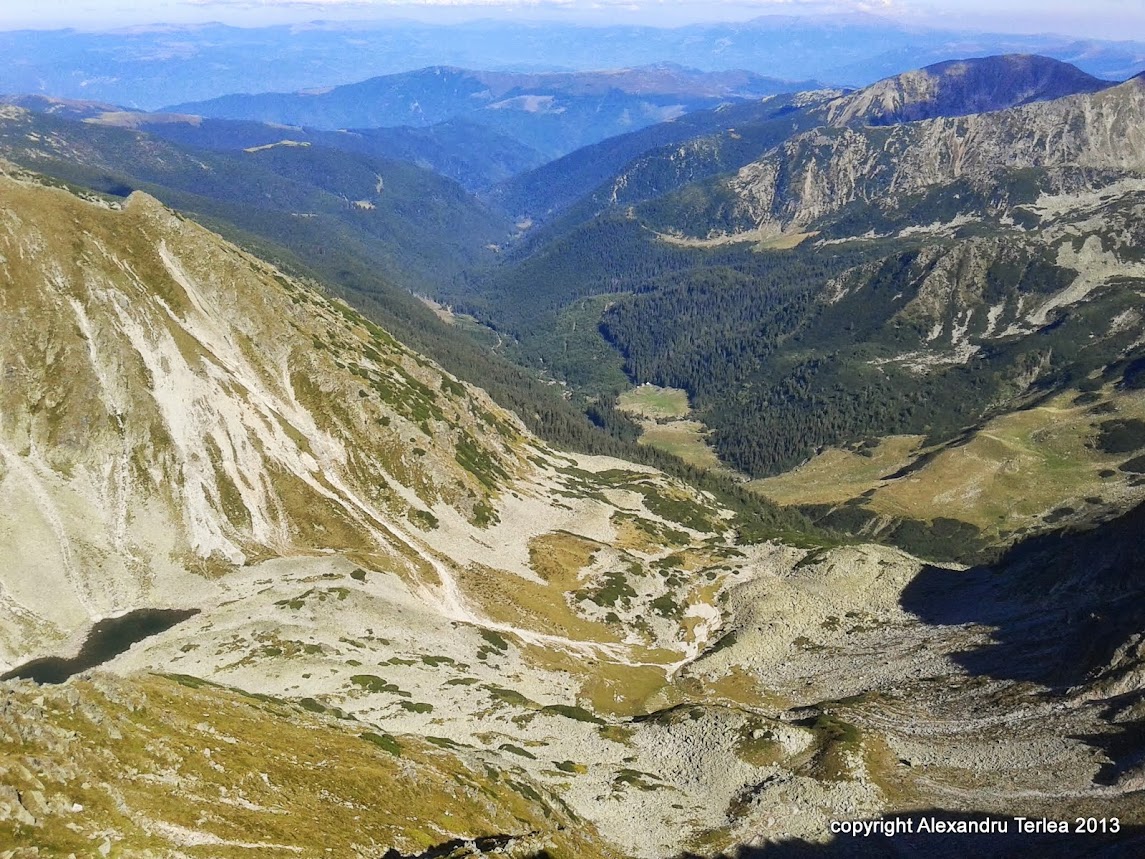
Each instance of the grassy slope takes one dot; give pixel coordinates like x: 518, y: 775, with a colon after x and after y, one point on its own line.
x: 152, y: 764
x: 1019, y: 472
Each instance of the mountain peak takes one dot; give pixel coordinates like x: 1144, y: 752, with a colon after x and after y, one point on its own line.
x: 963, y: 87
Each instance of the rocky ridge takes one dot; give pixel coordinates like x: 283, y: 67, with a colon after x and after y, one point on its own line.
x: 742, y: 133
x: 1071, y: 144
x: 961, y: 87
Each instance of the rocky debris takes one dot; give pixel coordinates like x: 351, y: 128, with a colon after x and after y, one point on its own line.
x: 528, y: 846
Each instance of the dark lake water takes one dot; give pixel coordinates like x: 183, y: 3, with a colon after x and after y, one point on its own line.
x: 107, y: 639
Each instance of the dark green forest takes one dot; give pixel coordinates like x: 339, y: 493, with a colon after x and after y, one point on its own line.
x: 779, y: 372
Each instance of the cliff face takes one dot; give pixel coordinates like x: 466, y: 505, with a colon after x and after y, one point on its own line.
x: 739, y: 136
x: 1075, y: 142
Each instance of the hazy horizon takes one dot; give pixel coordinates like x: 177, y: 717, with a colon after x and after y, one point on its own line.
x: 1100, y: 19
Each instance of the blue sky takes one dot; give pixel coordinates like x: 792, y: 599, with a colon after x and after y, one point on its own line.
x: 1116, y: 19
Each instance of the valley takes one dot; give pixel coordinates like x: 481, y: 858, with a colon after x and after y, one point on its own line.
x: 754, y: 458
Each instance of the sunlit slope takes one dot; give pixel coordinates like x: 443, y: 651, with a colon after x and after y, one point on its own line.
x: 170, y: 402
x: 1001, y: 159
x: 1073, y: 458
x: 179, y: 767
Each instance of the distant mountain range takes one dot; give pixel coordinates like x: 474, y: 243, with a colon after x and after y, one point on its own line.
x: 471, y: 154
x: 651, y: 162
x: 475, y: 127
x: 151, y: 67
x: 551, y: 113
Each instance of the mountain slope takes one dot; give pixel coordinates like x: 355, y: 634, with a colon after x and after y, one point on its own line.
x: 465, y: 152
x: 404, y: 797
x: 186, y: 426
x: 608, y: 173
x: 1004, y: 158
x: 309, y: 210
x: 137, y: 397
x: 413, y: 226
x: 961, y: 87
x: 919, y: 295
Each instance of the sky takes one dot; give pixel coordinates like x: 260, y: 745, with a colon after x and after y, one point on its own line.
x: 1111, y: 19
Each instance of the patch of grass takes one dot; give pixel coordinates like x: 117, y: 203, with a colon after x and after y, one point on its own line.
x: 424, y: 519
x: 739, y: 688
x: 510, y: 696
x: 758, y: 746
x: 192, y: 682
x: 836, y: 476
x: 643, y: 534
x: 624, y: 690
x: 614, y: 589
x: 636, y: 778
x: 484, y: 515
x: 1003, y: 477
x: 676, y: 506
x: 376, y: 685
x: 571, y: 712
x: 517, y: 750
x: 617, y: 734
x: 319, y: 595
x: 570, y: 767
x: 479, y: 462
x: 508, y: 598
x: 444, y: 743
x: 666, y: 606
x: 686, y: 440
x: 560, y: 556
x: 494, y: 639
x: 384, y: 742
x: 654, y: 402
x: 723, y: 643
x: 835, y: 740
